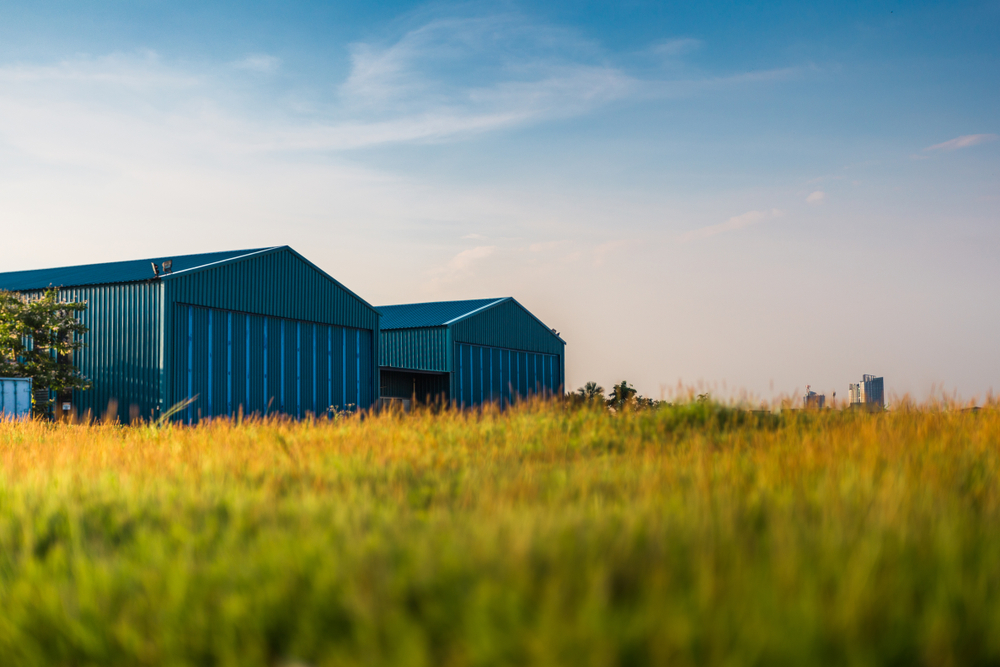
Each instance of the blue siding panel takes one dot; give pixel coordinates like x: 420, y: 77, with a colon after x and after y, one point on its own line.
x: 265, y: 371
x: 496, y: 375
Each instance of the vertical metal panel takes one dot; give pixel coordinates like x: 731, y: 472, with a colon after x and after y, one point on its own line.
x: 209, y: 388
x: 199, y: 365
x: 190, y: 360
x: 495, y: 375
x: 342, y: 356
x: 245, y: 375
x: 275, y: 365
x: 257, y: 365
x: 329, y: 366
x: 312, y: 338
x: 229, y: 363
x: 369, y: 380
x: 237, y: 391
x: 535, y: 382
x: 298, y: 369
x: 283, y: 354
x: 350, y: 369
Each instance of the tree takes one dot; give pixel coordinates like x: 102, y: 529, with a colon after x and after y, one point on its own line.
x: 625, y: 397
x: 622, y: 396
x: 37, y: 339
x: 591, y: 392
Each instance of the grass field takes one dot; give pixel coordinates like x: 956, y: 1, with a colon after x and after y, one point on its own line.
x: 696, y: 534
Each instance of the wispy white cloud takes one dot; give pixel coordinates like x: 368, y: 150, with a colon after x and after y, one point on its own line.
x: 603, y: 252
x: 462, y: 266
x: 676, y: 47
x: 444, y: 80
x: 143, y: 70
x: 964, y: 141
x: 465, y: 259
x: 260, y: 62
x: 817, y: 197
x: 460, y: 76
x: 736, y: 222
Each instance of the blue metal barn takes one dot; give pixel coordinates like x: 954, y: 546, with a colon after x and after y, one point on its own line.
x: 468, y: 352
x: 259, y: 331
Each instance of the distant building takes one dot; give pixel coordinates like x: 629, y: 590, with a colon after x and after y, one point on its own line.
x: 813, y: 400
x: 468, y: 353
x: 870, y: 392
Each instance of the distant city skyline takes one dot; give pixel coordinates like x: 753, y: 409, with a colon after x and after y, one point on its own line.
x: 724, y: 196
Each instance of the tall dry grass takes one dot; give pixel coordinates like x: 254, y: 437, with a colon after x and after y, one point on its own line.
x: 696, y: 534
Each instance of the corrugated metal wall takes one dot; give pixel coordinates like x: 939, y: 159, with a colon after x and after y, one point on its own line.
x: 497, y: 375
x: 420, y: 349
x: 294, y: 297
x: 507, y: 325
x: 231, y: 362
x: 277, y: 283
x: 121, y: 353
x: 275, y: 301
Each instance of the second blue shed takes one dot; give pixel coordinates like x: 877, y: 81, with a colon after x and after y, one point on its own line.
x: 468, y: 352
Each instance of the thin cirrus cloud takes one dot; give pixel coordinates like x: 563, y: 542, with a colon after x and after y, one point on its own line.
x: 261, y: 62
x: 676, y: 47
x: 461, y: 266
x: 817, y: 197
x: 465, y: 259
x: 444, y: 80
x: 965, y: 141
x: 736, y: 222
x: 453, y: 77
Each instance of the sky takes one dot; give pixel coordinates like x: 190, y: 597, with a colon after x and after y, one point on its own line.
x: 740, y: 198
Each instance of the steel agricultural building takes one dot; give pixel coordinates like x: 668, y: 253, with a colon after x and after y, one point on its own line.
x: 258, y: 331
x: 468, y: 352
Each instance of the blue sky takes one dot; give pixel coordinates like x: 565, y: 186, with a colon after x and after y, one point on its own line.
x: 735, y: 196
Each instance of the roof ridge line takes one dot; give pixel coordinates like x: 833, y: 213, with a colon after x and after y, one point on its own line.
x: 474, y: 311
x: 220, y: 261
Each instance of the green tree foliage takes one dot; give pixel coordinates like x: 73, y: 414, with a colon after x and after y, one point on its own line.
x: 37, y: 339
x: 591, y: 392
x: 624, y: 397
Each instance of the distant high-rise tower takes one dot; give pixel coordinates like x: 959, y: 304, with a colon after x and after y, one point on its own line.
x: 813, y: 400
x: 870, y: 391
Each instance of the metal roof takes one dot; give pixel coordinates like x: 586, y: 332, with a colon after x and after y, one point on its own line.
x: 434, y: 314
x: 135, y: 270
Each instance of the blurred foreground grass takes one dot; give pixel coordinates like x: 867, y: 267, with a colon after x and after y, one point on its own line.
x: 692, y: 535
